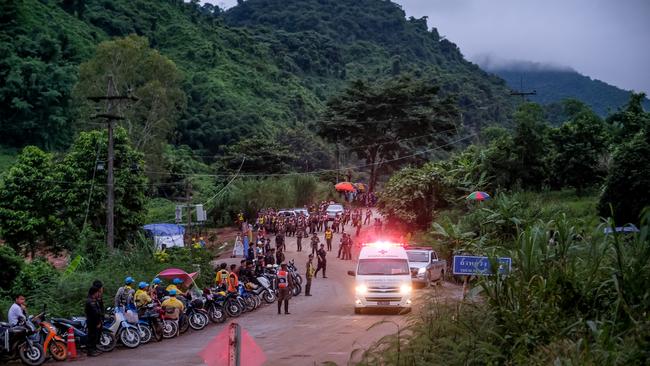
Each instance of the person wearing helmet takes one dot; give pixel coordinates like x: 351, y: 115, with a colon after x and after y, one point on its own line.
x: 142, y: 297
x: 172, y: 305
x: 124, y: 295
x: 156, y: 290
x: 174, y: 286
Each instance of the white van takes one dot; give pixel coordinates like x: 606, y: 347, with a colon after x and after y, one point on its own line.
x: 383, y: 278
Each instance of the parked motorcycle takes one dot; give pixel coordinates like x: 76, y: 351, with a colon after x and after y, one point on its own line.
x: 16, y: 342
x: 194, y: 316
x: 126, y: 332
x: 47, y: 336
x: 107, y: 339
x: 268, y: 294
x: 214, y: 307
x: 150, y: 324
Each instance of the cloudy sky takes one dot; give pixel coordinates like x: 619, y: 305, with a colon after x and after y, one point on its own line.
x: 604, y: 39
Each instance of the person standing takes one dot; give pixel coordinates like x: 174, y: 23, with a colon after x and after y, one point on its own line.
x: 314, y: 243
x: 309, y: 274
x: 347, y: 253
x: 328, y: 239
x: 279, y: 256
x: 285, y: 284
x: 299, y: 239
x: 368, y: 217
x: 322, y: 261
x: 94, y: 317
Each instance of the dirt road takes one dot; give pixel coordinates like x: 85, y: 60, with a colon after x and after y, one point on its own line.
x: 320, y: 328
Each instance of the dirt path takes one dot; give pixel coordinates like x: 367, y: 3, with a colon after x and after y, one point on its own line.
x: 320, y: 328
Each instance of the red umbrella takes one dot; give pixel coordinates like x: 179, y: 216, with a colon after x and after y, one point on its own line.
x: 171, y: 273
x: 345, y: 186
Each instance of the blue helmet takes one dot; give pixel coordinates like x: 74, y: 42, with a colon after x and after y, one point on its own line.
x: 129, y: 280
x: 142, y: 285
x: 172, y: 292
x: 177, y: 281
x: 156, y: 281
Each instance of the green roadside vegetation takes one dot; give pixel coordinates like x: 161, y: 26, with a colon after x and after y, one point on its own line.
x: 576, y: 295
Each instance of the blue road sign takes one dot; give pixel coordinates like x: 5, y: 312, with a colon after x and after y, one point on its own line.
x: 479, y: 266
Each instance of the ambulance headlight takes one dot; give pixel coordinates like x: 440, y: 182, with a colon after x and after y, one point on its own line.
x: 405, y: 289
x: 362, y: 289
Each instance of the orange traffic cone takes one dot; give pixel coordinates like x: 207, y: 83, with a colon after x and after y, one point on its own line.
x: 72, y: 346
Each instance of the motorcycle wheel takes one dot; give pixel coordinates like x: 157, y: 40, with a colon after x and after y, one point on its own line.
x: 107, y: 341
x: 216, y: 314
x: 257, y: 301
x: 31, y: 355
x: 269, y: 297
x: 58, y: 350
x: 198, y: 320
x: 130, y: 337
x: 170, y: 328
x: 232, y: 308
x: 297, y: 289
x: 146, y: 334
x: 250, y: 304
x: 299, y: 279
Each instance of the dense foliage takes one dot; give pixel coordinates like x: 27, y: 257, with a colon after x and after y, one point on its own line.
x: 575, y: 296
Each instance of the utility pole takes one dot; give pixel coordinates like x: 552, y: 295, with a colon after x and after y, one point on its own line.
x: 521, y: 91
x: 188, y: 198
x: 110, y: 97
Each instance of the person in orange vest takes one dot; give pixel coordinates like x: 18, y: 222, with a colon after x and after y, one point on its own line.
x: 233, y: 280
x: 285, y: 284
x: 328, y: 238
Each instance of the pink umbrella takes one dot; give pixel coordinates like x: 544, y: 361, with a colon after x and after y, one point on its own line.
x: 171, y: 273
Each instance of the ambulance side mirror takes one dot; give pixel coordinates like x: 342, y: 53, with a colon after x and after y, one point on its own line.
x: 351, y: 273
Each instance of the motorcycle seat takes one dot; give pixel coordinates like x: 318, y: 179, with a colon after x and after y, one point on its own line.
x: 73, y: 323
x: 4, y: 325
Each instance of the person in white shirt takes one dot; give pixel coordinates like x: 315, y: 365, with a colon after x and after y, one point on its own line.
x: 16, y: 311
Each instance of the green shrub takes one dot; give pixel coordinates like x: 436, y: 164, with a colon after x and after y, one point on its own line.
x: 11, y: 264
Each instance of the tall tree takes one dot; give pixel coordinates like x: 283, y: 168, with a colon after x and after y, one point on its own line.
x: 143, y: 73
x: 28, y: 214
x: 579, y: 149
x: 83, y: 195
x: 530, y: 145
x: 383, y: 122
x: 626, y: 187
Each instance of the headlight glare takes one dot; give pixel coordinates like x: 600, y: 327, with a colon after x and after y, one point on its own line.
x: 405, y: 289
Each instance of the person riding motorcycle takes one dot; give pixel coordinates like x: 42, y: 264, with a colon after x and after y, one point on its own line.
x: 174, y: 286
x: 233, y: 280
x: 221, y: 279
x: 124, y: 295
x: 172, y: 304
x: 142, y: 297
x: 156, y: 291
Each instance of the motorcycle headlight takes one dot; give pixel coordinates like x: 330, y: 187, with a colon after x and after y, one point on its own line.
x: 405, y: 289
x: 362, y: 289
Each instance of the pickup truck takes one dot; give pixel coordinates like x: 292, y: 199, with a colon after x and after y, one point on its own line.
x: 425, y: 266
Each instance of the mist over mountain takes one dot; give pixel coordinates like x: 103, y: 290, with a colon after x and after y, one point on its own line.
x: 554, y: 83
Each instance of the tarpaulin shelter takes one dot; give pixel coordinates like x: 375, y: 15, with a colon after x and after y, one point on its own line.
x: 169, y: 234
x: 171, y: 273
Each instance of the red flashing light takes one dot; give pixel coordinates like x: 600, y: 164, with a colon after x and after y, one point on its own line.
x: 383, y: 244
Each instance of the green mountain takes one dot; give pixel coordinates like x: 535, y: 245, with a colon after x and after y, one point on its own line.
x: 555, y: 84
x: 258, y: 69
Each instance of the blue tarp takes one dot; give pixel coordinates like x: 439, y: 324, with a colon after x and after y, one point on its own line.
x: 163, y: 229
x: 622, y: 229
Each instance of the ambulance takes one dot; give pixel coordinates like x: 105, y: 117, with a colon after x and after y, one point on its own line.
x: 382, y: 278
